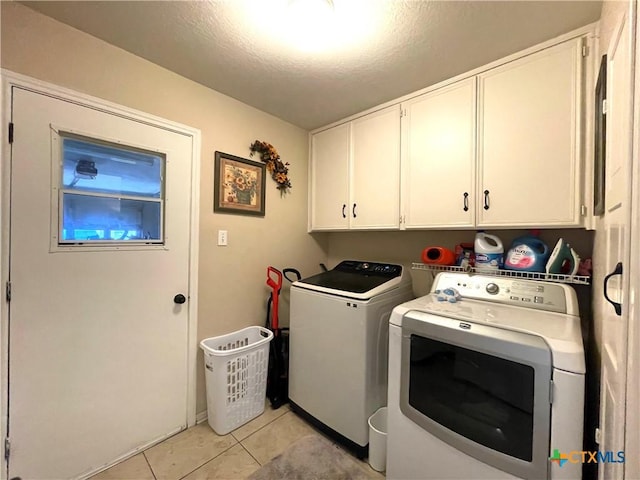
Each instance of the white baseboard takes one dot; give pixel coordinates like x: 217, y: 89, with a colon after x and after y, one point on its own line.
x: 201, y: 417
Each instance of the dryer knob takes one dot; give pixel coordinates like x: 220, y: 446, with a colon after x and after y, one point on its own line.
x: 492, y: 288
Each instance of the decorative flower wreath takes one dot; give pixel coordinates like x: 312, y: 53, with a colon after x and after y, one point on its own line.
x: 277, y: 169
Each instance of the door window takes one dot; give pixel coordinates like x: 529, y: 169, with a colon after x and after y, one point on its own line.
x: 109, y: 193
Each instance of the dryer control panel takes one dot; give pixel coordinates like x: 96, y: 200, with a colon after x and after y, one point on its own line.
x: 539, y: 295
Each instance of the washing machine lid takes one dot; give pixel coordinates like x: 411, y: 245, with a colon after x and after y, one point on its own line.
x: 357, y: 279
x: 560, y: 331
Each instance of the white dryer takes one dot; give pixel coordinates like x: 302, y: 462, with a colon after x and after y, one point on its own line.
x: 338, y: 339
x: 489, y: 387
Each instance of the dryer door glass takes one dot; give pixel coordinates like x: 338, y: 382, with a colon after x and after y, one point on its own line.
x: 484, y: 398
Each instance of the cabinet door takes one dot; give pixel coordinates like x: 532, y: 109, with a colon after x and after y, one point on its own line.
x: 529, y: 113
x: 375, y: 170
x: 329, y: 193
x: 438, y: 162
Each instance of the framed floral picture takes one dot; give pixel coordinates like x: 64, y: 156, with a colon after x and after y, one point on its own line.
x: 239, y: 185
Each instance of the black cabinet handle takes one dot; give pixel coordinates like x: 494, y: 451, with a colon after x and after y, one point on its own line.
x: 353, y: 211
x: 344, y: 206
x: 486, y: 199
x: 616, y: 305
x: 179, y: 299
x: 465, y: 202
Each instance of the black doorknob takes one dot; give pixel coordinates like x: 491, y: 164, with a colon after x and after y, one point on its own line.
x: 179, y: 299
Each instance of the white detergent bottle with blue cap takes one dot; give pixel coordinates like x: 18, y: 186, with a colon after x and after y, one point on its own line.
x: 489, y: 252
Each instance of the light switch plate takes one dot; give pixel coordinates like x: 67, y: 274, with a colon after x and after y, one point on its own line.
x: 222, y: 238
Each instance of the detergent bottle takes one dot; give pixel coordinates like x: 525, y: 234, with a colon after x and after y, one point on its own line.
x: 528, y: 254
x: 489, y: 252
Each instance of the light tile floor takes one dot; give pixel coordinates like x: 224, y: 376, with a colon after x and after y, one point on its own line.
x: 198, y: 453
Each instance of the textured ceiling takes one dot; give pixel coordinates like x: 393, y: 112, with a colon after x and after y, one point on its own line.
x: 231, y: 46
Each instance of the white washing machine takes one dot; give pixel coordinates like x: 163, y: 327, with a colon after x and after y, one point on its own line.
x: 338, y: 341
x: 489, y: 387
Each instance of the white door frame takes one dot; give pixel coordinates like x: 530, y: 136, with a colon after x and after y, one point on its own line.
x: 11, y: 79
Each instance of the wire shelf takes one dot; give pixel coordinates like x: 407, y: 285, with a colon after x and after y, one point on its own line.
x: 549, y: 277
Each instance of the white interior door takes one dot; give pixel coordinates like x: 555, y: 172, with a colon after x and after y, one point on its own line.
x: 98, y: 348
x: 632, y: 438
x: 617, y: 233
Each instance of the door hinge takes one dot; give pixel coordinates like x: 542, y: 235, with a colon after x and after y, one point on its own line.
x: 7, y: 448
x: 10, y: 132
x: 585, y: 50
x: 8, y: 291
x: 583, y: 210
x: 604, y: 106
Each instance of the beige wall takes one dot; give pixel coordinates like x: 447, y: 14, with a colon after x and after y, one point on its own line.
x: 232, y: 291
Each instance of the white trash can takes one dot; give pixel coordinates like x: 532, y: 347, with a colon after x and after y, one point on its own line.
x: 378, y: 440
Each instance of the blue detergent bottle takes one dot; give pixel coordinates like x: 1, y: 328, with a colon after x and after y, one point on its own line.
x: 527, y: 254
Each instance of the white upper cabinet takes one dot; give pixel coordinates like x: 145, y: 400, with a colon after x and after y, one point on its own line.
x: 502, y: 148
x: 528, y: 140
x: 375, y: 170
x: 438, y: 157
x: 330, y: 178
x: 355, y: 174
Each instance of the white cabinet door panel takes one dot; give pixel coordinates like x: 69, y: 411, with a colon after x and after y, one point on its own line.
x: 528, y: 132
x: 439, y: 132
x: 375, y: 170
x: 330, y: 178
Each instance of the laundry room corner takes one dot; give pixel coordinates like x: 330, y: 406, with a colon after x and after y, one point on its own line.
x: 231, y: 229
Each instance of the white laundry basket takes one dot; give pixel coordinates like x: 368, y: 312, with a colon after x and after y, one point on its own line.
x: 236, y: 367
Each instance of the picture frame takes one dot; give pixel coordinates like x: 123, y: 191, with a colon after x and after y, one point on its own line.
x: 239, y: 185
x: 600, y: 131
